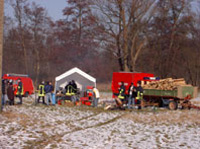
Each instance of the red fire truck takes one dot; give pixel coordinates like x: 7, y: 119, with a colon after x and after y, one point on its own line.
x: 128, y: 78
x: 27, y: 82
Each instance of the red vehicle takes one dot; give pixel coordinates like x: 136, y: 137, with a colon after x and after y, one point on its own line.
x: 128, y: 78
x: 27, y: 82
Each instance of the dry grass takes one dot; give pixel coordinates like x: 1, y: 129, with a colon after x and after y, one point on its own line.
x: 168, y: 117
x: 104, y: 87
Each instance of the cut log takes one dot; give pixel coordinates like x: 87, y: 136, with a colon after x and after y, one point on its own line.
x: 166, y: 84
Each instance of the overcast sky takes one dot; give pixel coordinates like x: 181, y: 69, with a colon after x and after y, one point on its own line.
x: 54, y: 7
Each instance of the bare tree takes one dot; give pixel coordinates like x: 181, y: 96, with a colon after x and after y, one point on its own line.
x: 166, y: 31
x: 18, y: 6
x: 38, y: 23
x: 124, y: 22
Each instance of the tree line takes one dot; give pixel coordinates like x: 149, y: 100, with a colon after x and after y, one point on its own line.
x: 102, y: 36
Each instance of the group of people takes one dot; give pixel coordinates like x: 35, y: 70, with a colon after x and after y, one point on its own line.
x: 9, y: 92
x: 45, y: 92
x: 71, y: 92
x: 133, y: 93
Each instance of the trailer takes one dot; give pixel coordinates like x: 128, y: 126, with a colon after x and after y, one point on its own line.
x: 171, y: 98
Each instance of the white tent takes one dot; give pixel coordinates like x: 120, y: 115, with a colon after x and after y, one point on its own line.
x: 81, y: 78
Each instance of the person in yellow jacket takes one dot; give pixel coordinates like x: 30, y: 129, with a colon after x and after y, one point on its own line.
x: 71, y: 92
x: 121, y: 96
x: 41, y: 92
x: 20, y: 90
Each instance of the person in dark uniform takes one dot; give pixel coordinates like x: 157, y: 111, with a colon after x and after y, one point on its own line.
x: 121, y: 95
x: 20, y: 90
x: 10, y: 93
x: 139, y: 91
x: 74, y: 86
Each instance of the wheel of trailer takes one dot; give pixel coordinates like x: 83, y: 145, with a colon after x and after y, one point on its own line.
x: 172, y: 105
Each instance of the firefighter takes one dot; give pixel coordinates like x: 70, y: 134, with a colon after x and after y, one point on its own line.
x: 74, y: 86
x: 71, y: 92
x: 122, y: 92
x: 121, y: 96
x: 20, y: 90
x: 139, y: 91
x: 68, y: 89
x: 41, y: 93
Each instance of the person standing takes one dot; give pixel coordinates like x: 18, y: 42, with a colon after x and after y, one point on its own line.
x: 48, y: 91
x: 3, y: 92
x: 74, y: 91
x: 139, y: 91
x: 131, y: 98
x: 20, y: 90
x: 68, y: 89
x: 122, y: 90
x: 10, y: 93
x: 73, y: 83
x: 96, y: 97
x: 53, y: 99
x: 52, y: 88
x: 41, y: 93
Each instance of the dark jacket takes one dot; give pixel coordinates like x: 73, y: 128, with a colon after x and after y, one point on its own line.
x: 3, y: 87
x: 134, y: 93
x: 19, y: 87
x: 48, y: 88
x: 74, y: 87
x: 124, y: 89
x: 52, y: 88
x: 139, y: 89
x: 10, y: 92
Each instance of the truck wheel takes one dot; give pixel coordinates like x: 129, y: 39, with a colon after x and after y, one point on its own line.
x: 172, y: 105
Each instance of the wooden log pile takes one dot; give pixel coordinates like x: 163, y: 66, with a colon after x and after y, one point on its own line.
x: 166, y: 84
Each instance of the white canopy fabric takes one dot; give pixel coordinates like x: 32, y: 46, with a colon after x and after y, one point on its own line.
x: 81, y: 78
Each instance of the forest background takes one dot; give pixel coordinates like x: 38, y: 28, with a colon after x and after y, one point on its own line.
x: 103, y: 36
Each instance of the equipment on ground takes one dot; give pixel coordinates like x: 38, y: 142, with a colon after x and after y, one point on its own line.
x: 87, y: 99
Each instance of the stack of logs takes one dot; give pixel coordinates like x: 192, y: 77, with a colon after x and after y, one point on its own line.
x: 166, y: 84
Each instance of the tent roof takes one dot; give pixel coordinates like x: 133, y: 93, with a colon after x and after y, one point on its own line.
x: 75, y: 70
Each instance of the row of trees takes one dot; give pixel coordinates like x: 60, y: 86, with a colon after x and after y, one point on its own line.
x: 102, y: 36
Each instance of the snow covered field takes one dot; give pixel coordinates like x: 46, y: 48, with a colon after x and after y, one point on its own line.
x: 30, y: 126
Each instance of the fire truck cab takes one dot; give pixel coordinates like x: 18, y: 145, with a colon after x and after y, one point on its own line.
x: 26, y: 81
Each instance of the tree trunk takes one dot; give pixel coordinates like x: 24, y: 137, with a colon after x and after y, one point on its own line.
x: 21, y: 34
x: 125, y: 36
x: 37, y: 66
x: 1, y: 45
